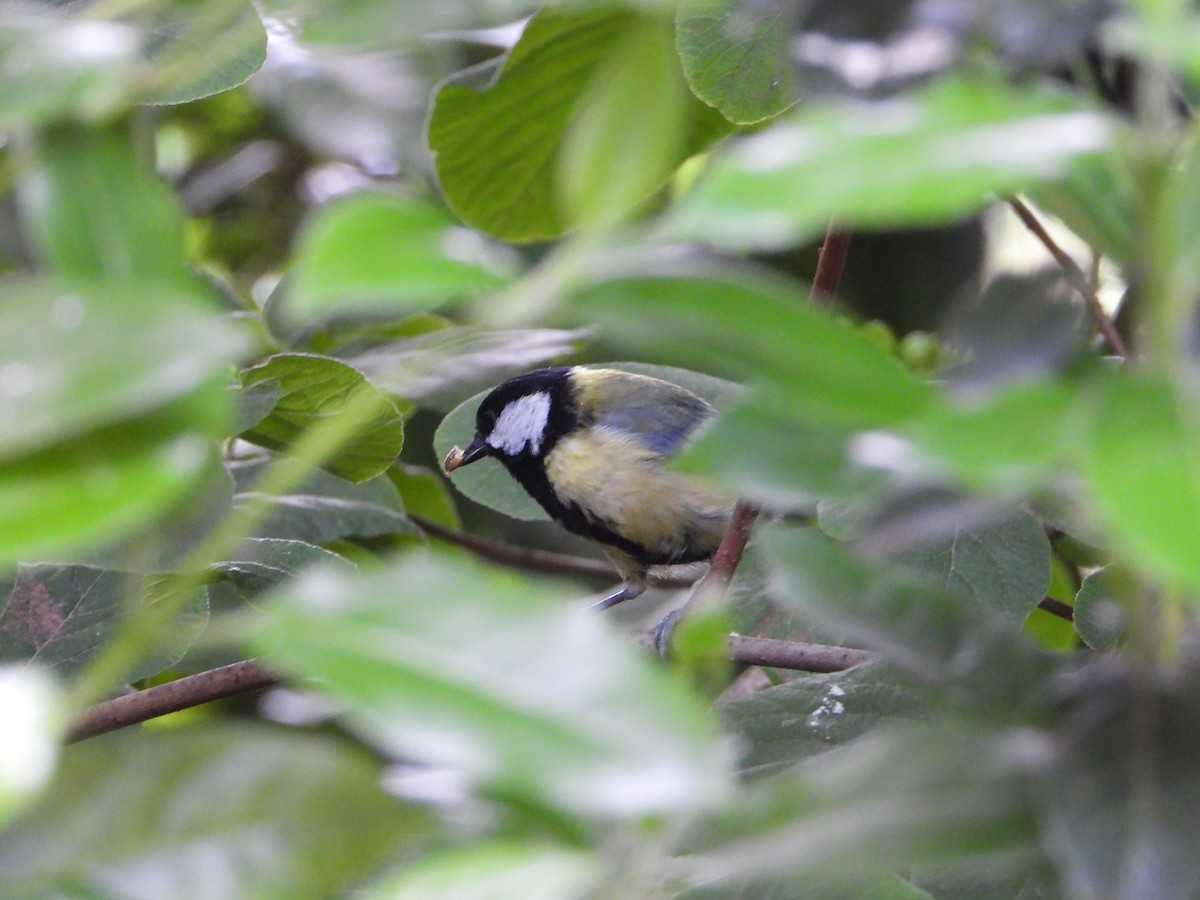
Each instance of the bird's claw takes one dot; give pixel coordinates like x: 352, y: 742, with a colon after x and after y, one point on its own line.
x: 664, y: 631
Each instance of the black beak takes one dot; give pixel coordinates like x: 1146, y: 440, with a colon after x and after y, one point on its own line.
x: 476, y: 450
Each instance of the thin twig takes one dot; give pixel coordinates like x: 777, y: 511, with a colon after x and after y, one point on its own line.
x: 1057, y: 608
x: 733, y: 545
x: 831, y: 262
x: 1080, y: 281
x: 183, y: 693
x: 529, y: 559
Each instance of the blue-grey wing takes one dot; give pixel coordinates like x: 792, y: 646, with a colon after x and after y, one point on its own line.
x: 659, y: 414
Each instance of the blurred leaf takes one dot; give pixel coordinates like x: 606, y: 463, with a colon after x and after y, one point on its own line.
x: 255, y: 402
x: 1095, y: 198
x: 382, y: 24
x: 387, y: 253
x: 494, y: 871
x: 324, y: 508
x: 193, y: 50
x: 262, y: 563
x: 438, y: 368
x: 782, y: 725
x: 31, y: 711
x: 749, y: 326
x: 59, y: 616
x: 737, y: 55
x: 499, y: 152
x: 487, y: 481
x: 630, y: 128
x: 99, y: 487
x: 885, y: 801
x: 1142, y: 462
x: 96, y: 212
x: 77, y: 355
x: 1001, y: 442
x: 44, y: 74
x: 227, y: 812
x: 424, y: 493
x: 313, y: 388
x: 930, y: 157
x: 1117, y: 804
x: 1004, y: 566
x: 1100, y: 616
x: 443, y: 661
x: 976, y: 657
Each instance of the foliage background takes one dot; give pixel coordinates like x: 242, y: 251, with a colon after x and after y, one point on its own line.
x: 255, y: 256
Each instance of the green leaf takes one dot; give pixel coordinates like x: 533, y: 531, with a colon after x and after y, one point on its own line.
x: 1117, y: 801
x: 1100, y: 616
x: 438, y: 368
x: 45, y: 76
x: 79, y: 355
x: 388, y: 254
x: 630, y: 129
x: 313, y: 388
x: 443, y: 661
x: 95, y: 212
x: 886, y: 801
x: 98, y: 488
x: 1142, y: 463
x: 749, y: 326
x: 240, y: 811
x: 1002, y: 442
x: 928, y: 158
x: 192, y: 50
x: 424, y: 493
x: 1004, y: 566
x: 737, y: 56
x: 487, y: 481
x: 494, y: 871
x: 499, y: 152
x: 324, y: 508
x: 782, y: 725
x: 972, y: 653
x: 259, y: 564
x: 59, y: 616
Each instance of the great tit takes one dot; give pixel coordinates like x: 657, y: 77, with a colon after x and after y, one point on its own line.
x: 590, y: 446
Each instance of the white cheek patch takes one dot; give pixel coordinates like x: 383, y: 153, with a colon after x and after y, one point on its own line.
x: 522, y: 422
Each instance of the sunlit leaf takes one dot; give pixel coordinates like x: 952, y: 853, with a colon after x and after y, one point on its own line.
x: 930, y: 157
x: 737, y: 56
x: 45, y: 75
x: 424, y: 494
x: 201, y: 813
x: 387, y: 253
x: 443, y: 661
x: 494, y: 870
x: 1143, y: 468
x: 97, y: 212
x: 77, y: 355
x: 499, y: 151
x: 314, y: 388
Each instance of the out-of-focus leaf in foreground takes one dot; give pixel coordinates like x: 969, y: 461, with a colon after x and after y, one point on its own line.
x: 445, y: 661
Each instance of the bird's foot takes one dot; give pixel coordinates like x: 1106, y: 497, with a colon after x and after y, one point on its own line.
x: 664, y: 631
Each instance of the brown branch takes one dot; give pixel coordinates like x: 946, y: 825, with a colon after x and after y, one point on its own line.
x: 733, y: 545
x: 831, y: 261
x: 759, y: 651
x: 1057, y: 608
x: 184, y: 693
x: 529, y: 559
x: 1079, y: 280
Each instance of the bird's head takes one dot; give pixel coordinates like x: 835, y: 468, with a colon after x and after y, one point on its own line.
x: 522, y: 418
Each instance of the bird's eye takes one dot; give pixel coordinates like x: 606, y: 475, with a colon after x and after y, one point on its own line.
x: 488, y: 420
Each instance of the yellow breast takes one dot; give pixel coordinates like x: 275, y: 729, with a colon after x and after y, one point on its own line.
x: 614, y: 478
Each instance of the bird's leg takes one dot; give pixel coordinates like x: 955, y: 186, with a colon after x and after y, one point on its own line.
x: 627, y: 591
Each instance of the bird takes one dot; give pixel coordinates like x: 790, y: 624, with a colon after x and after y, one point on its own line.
x: 591, y: 446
